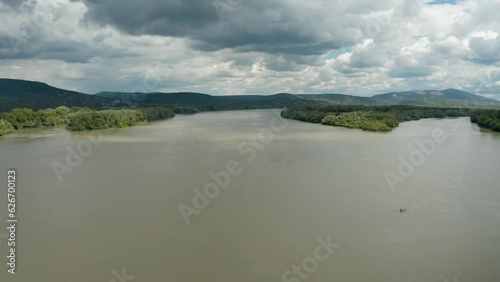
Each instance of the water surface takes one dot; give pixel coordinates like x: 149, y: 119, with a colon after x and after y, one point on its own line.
x: 119, y: 207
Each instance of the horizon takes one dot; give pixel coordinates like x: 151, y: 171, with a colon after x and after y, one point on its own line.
x: 261, y: 94
x: 292, y: 47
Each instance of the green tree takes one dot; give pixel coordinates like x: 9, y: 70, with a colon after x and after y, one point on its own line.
x: 6, y: 127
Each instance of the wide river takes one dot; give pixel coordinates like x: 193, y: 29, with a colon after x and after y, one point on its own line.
x: 301, y: 202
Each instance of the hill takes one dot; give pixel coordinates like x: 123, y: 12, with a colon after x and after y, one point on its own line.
x: 448, y: 97
x: 433, y: 98
x: 339, y: 99
x: 37, y: 95
x: 198, y: 99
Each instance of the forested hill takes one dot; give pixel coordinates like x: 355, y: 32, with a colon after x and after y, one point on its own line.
x: 444, y: 98
x: 433, y: 98
x: 204, y: 100
x: 37, y: 95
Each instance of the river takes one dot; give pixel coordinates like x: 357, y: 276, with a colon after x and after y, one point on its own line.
x: 118, y: 205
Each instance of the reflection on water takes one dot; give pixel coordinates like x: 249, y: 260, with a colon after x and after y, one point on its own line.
x: 119, y: 207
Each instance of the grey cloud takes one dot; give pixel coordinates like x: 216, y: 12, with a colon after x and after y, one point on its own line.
x: 75, y: 52
x: 289, y: 62
x: 263, y: 26
x: 410, y: 72
x: 372, y: 56
x: 64, y: 50
x: 152, y: 17
x: 257, y: 47
x: 486, y: 83
x: 404, y: 67
x: 16, y: 4
x: 486, y: 50
x: 40, y: 31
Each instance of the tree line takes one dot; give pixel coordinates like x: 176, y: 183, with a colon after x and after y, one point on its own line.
x: 489, y: 119
x: 27, y: 118
x: 79, y: 119
x: 370, y: 118
x: 97, y: 120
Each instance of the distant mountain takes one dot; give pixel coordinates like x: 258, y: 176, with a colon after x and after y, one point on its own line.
x: 339, y: 99
x: 448, y: 97
x: 157, y: 98
x: 280, y: 100
x: 194, y: 99
x: 37, y: 95
x: 444, y: 98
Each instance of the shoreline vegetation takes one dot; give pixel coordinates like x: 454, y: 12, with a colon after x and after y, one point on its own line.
x: 83, y: 119
x: 368, y: 118
x: 86, y: 119
x: 386, y: 118
x: 489, y: 119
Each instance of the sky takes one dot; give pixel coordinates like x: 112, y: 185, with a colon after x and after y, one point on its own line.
x: 235, y: 47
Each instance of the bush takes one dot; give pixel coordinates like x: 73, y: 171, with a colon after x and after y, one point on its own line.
x: 489, y: 119
x: 186, y: 110
x: 370, y: 121
x: 157, y: 113
x: 22, y: 118
x: 6, y: 127
x: 96, y: 120
x: 52, y: 117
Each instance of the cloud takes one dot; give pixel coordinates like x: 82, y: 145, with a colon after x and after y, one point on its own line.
x: 16, y: 4
x: 286, y: 27
x: 486, y: 50
x: 440, y: 2
x: 256, y: 47
x: 47, y: 31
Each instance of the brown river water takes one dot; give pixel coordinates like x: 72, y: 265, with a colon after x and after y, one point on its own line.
x: 293, y: 202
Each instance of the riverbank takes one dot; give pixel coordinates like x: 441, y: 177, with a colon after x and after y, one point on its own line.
x: 386, y: 118
x: 82, y: 119
x: 85, y: 119
x: 375, y: 119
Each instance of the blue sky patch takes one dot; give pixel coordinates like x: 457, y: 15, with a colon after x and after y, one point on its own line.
x: 440, y: 2
x: 337, y: 52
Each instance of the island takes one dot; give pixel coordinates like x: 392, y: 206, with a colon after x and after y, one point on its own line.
x: 386, y: 118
